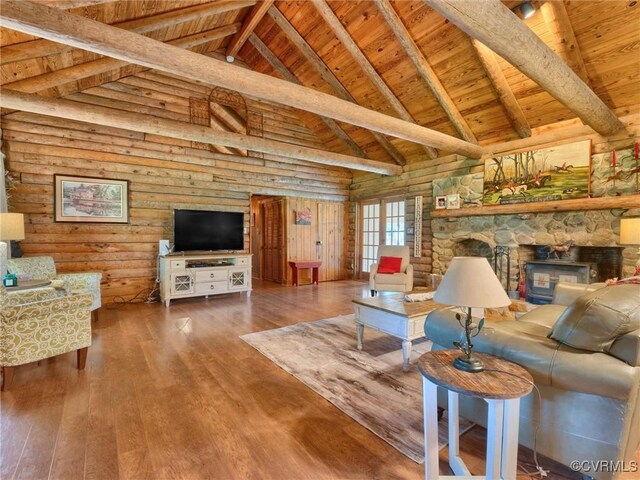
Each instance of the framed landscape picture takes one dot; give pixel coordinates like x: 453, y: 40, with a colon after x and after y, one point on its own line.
x: 97, y: 200
x: 553, y: 173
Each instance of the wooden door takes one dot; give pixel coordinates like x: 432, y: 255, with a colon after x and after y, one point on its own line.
x: 272, y: 240
x: 332, y: 232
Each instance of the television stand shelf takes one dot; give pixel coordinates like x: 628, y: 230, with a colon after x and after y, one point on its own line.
x: 201, y: 275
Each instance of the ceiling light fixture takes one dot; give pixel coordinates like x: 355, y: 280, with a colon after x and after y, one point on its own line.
x: 527, y: 9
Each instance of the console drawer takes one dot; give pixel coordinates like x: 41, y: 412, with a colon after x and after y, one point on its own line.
x: 177, y: 264
x: 211, y: 275
x: 242, y: 261
x: 212, y: 287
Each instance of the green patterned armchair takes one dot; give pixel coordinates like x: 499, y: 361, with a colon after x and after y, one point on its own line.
x: 44, y: 268
x: 38, y: 324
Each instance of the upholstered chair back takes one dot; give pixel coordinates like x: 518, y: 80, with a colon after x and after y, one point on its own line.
x: 395, y: 251
x: 37, y: 268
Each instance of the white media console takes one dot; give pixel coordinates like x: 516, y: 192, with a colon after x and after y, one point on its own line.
x: 184, y: 276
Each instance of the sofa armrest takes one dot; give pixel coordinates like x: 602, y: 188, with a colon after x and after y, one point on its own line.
x: 627, y: 348
x: 83, y: 282
x: 22, y: 297
x: 409, y: 273
x: 567, y: 293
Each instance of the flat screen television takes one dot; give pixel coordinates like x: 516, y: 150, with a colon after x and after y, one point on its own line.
x: 208, y: 231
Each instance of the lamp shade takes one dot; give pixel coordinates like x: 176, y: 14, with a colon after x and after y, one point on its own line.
x: 11, y: 226
x: 471, y: 282
x: 630, y: 231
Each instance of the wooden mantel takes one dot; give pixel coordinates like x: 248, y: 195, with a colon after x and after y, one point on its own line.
x: 576, y: 204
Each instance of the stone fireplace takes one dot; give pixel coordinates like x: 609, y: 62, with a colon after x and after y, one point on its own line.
x: 594, y: 235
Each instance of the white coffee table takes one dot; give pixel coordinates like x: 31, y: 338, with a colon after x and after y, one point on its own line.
x: 390, y: 314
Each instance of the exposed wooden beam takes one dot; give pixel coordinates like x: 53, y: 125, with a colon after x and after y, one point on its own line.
x: 42, y: 48
x: 107, y: 64
x: 427, y: 73
x: 68, y: 4
x: 60, y: 26
x: 565, y: 43
x: 281, y: 68
x: 138, y: 122
x: 501, y: 86
x: 328, y: 76
x: 350, y: 45
x: 491, y: 22
x: 248, y: 26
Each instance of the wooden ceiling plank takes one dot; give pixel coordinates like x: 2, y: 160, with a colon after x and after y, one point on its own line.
x: 248, y: 26
x: 328, y: 76
x: 282, y: 70
x: 507, y: 99
x: 138, y: 122
x: 107, y: 64
x: 68, y: 4
x: 564, y: 39
x: 80, y: 32
x: 492, y: 23
x: 427, y: 73
x: 42, y: 48
x: 350, y: 45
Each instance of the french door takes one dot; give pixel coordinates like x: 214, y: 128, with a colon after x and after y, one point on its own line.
x: 382, y: 223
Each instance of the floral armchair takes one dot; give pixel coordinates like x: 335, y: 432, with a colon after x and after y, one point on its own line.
x: 44, y: 268
x: 38, y: 324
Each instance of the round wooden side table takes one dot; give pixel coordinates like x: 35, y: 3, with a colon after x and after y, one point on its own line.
x: 501, y: 389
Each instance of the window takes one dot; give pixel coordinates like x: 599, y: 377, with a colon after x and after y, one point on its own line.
x: 382, y: 224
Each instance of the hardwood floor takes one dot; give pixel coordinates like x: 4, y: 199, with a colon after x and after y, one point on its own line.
x: 175, y: 393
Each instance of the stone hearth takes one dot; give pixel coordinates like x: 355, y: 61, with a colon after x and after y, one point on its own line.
x: 479, y: 235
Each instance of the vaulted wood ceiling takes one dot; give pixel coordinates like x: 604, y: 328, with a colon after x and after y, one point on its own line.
x: 402, y: 58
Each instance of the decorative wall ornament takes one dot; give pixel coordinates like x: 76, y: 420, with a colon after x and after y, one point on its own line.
x: 303, y: 217
x: 440, y: 202
x: 616, y: 173
x: 97, y: 200
x: 469, y: 187
x: 554, y: 173
x: 417, y: 227
x: 453, y: 201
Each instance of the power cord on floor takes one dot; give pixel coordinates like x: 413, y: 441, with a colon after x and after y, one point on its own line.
x: 541, y: 472
x: 151, y: 296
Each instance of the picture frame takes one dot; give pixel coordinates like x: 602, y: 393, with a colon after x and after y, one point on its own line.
x: 303, y: 217
x: 90, y: 200
x: 453, y: 201
x: 440, y: 202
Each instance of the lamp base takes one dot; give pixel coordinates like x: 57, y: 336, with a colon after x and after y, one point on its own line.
x: 468, y: 364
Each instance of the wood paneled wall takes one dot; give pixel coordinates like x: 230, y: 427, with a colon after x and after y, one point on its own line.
x: 164, y: 174
x: 418, y: 177
x: 329, y: 225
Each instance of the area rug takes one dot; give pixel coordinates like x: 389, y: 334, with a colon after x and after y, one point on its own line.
x: 368, y: 385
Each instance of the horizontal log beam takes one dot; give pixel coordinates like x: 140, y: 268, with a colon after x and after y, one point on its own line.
x: 60, y: 26
x: 170, y: 128
x: 572, y: 205
x: 41, y: 48
x: 491, y: 22
x: 74, y: 73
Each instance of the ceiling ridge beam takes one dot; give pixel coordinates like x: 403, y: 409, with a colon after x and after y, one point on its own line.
x: 492, y: 23
x: 352, y: 48
x: 564, y: 39
x: 248, y: 26
x: 41, y: 48
x: 281, y: 68
x: 74, y: 73
x: 328, y: 76
x: 425, y: 71
x: 63, y: 27
x: 138, y: 122
x: 507, y: 99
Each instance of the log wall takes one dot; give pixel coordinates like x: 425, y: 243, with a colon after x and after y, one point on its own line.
x: 417, y: 179
x: 163, y: 174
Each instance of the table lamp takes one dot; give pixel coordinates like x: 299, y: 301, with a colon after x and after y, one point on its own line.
x: 11, y: 228
x: 470, y: 282
x: 630, y: 233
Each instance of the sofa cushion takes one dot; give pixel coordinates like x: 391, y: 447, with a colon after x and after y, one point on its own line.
x: 390, y: 265
x: 391, y: 279
x: 595, y: 320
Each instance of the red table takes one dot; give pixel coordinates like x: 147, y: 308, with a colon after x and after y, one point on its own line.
x: 313, y: 264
